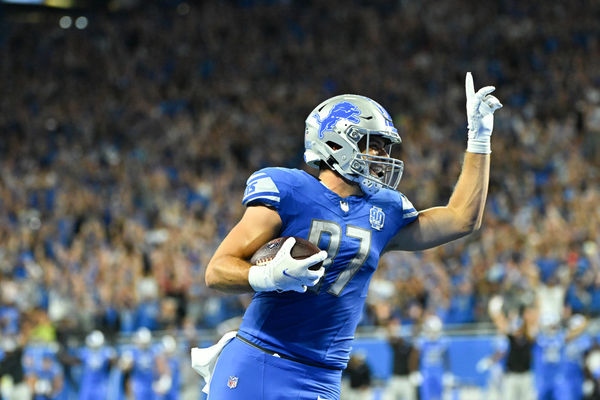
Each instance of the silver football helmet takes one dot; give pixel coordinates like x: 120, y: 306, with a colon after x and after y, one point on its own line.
x: 142, y: 337
x: 336, y: 131
x: 432, y: 327
x: 95, y: 339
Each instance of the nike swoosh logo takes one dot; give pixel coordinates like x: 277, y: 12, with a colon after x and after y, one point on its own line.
x: 299, y: 280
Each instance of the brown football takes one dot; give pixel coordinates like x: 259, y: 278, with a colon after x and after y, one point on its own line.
x: 302, y: 249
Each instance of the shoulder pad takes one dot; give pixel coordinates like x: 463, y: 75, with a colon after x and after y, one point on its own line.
x: 269, y: 185
x: 408, y: 210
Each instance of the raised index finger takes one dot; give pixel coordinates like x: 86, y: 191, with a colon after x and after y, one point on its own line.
x: 469, y: 87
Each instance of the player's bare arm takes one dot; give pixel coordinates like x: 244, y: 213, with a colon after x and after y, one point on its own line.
x: 462, y: 215
x: 497, y: 316
x: 576, y: 327
x: 464, y: 212
x: 228, y: 269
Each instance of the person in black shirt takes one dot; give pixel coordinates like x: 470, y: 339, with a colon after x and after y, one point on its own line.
x: 518, y: 380
x: 359, y: 375
x: 404, y: 362
x: 11, y: 368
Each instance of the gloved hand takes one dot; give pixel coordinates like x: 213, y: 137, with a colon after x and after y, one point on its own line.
x: 495, y: 305
x: 480, y: 116
x: 416, y: 378
x: 484, y: 364
x: 284, y: 272
x: 448, y: 379
x: 587, y: 387
x: 162, y: 385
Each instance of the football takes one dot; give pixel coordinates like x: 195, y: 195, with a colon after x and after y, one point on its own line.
x: 302, y: 249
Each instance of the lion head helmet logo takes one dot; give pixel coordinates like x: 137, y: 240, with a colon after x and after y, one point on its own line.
x: 343, y: 110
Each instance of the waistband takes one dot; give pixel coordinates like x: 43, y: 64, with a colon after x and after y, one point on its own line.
x: 275, y: 354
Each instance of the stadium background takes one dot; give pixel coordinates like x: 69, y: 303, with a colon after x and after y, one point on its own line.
x: 128, y: 129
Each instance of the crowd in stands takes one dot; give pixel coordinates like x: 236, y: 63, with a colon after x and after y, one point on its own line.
x: 125, y: 147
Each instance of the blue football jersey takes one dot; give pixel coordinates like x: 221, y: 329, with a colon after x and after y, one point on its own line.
x: 548, y: 356
x: 433, y: 356
x: 44, y: 384
x: 174, y: 367
x: 573, y: 355
x: 318, y: 326
x: 143, y: 367
x: 95, y: 365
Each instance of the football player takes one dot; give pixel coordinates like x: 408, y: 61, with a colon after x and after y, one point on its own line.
x: 140, y: 362
x: 578, y: 342
x: 297, y: 333
x: 46, y: 377
x: 559, y: 353
x: 96, y: 360
x: 167, y: 362
x: 548, y: 347
x: 434, y: 360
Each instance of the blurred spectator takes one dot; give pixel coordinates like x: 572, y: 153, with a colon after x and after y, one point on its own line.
x: 12, y: 377
x: 399, y: 386
x: 358, y: 376
x: 9, y: 313
x: 521, y: 331
x: 43, y: 330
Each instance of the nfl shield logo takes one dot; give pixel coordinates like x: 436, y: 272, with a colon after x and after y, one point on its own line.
x: 232, y: 382
x: 376, y: 218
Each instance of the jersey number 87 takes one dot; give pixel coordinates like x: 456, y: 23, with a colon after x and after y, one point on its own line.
x: 319, y: 228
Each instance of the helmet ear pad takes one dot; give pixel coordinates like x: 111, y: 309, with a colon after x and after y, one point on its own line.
x: 342, y: 150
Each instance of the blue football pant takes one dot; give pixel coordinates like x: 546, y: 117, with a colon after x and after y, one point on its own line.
x: 570, y: 387
x: 244, y: 372
x: 431, y: 387
x: 89, y: 392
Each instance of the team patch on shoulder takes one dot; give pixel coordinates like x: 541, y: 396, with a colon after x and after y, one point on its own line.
x: 376, y: 218
x: 261, y: 186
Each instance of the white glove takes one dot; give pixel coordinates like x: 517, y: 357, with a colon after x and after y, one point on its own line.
x: 495, y: 305
x: 163, y: 384
x: 484, y: 364
x: 126, y: 361
x: 587, y: 387
x: 480, y: 116
x: 448, y: 379
x: 415, y: 378
x: 284, y: 272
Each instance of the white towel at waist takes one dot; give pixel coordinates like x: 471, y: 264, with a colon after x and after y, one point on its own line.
x: 204, y: 360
